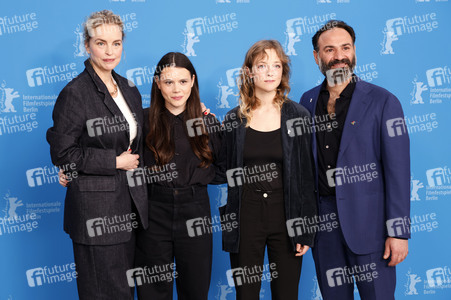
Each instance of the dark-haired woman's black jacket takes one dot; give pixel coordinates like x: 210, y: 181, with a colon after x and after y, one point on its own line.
x: 298, y: 179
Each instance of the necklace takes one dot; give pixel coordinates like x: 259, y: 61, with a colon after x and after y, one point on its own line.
x: 115, y: 88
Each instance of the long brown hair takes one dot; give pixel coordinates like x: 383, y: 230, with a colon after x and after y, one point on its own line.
x: 159, y: 139
x: 248, y: 101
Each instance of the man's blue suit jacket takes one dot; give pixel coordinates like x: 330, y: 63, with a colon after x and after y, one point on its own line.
x: 374, y: 133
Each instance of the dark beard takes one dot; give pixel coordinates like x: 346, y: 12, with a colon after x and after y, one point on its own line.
x: 339, y: 75
x: 326, y: 67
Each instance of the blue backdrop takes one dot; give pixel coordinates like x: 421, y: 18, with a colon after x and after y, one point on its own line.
x: 403, y: 46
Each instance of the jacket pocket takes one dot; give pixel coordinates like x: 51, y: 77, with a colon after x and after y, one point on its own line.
x: 97, y: 183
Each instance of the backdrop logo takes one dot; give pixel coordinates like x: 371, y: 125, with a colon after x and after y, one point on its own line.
x: 224, y: 290
x: 229, y: 89
x: 107, y: 125
x: 151, y: 274
x: 12, y: 203
x: 397, y: 27
x: 221, y: 198
x: 424, y: 223
x: 252, y: 174
x: 416, y: 185
x: 420, y: 123
x: 123, y: 1
x: 209, y: 225
x: 7, y: 95
x: 297, y: 27
x: 350, y: 275
x: 438, y: 76
x: 439, y: 277
x: 251, y: 275
x: 197, y: 27
x: 398, y: 226
x: 329, y: 1
x: 130, y: 21
x: 80, y: 50
x: 438, y: 177
x: 50, y: 75
x: 439, y: 183
x: 50, y: 275
x: 13, y: 222
x: 40, y: 176
x: 140, y: 76
x: 146, y: 175
x: 396, y: 127
x: 300, y: 226
x: 316, y: 292
x: 417, y: 93
x: 19, y: 223
x: 110, y: 225
x: 437, y: 81
x: 412, y: 281
x: 237, y: 1
x: 351, y: 175
x: 366, y: 72
x: 18, y: 123
x: 18, y: 23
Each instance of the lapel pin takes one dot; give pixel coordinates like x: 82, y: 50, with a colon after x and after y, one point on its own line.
x: 353, y: 122
x: 311, y: 99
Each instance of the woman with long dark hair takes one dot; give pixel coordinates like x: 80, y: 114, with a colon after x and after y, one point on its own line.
x: 180, y: 150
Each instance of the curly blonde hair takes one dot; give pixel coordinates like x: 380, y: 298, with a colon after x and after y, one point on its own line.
x: 248, y: 101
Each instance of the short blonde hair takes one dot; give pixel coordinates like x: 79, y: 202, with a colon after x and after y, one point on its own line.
x: 99, y: 18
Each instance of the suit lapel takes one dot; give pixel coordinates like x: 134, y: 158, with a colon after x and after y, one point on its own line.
x: 355, y: 116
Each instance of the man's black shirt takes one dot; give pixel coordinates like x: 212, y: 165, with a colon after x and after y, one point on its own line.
x: 328, y: 141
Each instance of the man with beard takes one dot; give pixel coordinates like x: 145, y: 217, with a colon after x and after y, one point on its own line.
x: 363, y: 174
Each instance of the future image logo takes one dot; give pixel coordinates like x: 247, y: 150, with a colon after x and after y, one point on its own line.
x: 351, y: 175
x: 197, y: 27
x: 398, y: 226
x: 296, y: 27
x: 139, y: 76
x: 397, y: 27
x: 111, y: 224
x: 151, y: 274
x: 251, y: 274
x: 18, y: 23
x: 438, y: 277
x: 50, y: 275
x: 42, y: 175
x: 396, y: 127
x: 350, y: 274
x: 50, y: 75
x: 438, y: 177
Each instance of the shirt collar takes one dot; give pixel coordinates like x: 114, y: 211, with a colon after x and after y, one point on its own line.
x: 348, y: 90
x: 172, y: 116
